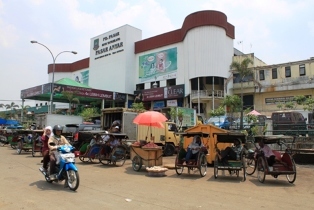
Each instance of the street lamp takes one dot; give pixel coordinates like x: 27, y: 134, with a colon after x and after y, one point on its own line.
x: 53, y: 71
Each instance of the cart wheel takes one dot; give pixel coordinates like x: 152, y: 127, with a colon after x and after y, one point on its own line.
x: 120, y: 160
x: 291, y: 177
x: 169, y: 150
x: 250, y: 166
x: 94, y: 155
x: 94, y: 159
x: 261, y: 169
x: 202, y: 162
x: 216, y: 167
x: 179, y: 169
x: 136, y: 163
x: 84, y: 159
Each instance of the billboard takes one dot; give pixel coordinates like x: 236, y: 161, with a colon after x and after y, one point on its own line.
x: 157, y: 66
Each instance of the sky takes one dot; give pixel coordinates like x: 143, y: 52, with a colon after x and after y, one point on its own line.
x: 276, y: 31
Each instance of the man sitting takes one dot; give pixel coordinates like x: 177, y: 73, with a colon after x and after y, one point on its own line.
x: 231, y: 153
x: 193, y: 149
x: 269, y: 154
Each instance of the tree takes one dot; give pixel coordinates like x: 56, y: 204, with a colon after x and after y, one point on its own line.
x: 233, y: 102
x: 89, y: 113
x: 11, y: 107
x: 71, y: 97
x: 138, y: 107
x: 24, y: 111
x: 242, y: 69
x: 217, y: 112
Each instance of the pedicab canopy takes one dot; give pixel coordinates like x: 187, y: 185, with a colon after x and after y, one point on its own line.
x: 83, y: 92
x: 272, y: 139
x: 229, y: 137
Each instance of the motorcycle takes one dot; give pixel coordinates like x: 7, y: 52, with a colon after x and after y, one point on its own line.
x: 65, y: 165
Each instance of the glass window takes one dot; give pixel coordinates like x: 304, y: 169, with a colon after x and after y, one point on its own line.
x: 302, y: 70
x: 274, y: 73
x: 288, y: 71
x: 261, y: 75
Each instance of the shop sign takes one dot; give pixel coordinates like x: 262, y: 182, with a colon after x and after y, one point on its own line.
x: 33, y: 91
x: 158, y: 104
x: 176, y: 91
x: 172, y: 103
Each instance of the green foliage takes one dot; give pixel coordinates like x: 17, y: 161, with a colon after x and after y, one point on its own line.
x: 89, y: 113
x: 309, y: 104
x: 290, y: 105
x: 233, y: 102
x: 279, y: 106
x: 217, y: 112
x: 138, y: 107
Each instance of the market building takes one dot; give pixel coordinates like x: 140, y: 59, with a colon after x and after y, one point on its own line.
x: 188, y: 67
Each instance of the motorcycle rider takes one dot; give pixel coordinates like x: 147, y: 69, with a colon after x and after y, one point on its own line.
x: 58, y: 140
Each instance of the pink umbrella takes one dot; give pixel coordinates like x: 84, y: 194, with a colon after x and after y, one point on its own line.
x: 150, y: 118
x: 254, y: 113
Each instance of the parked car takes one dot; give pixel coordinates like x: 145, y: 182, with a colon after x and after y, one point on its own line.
x: 223, y: 122
x: 289, y: 123
x: 261, y: 119
x: 70, y: 131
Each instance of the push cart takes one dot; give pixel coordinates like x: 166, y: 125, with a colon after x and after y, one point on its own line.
x: 145, y: 156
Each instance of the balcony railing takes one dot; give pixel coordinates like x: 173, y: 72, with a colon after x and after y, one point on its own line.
x: 207, y: 94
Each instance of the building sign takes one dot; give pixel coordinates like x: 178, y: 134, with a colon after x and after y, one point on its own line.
x: 172, y: 103
x: 108, y: 44
x: 281, y: 100
x: 161, y: 93
x: 34, y: 91
x: 79, y: 91
x: 158, y: 104
x: 81, y: 77
x: 158, y: 66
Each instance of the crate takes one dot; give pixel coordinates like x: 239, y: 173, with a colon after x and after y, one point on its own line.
x: 150, y: 156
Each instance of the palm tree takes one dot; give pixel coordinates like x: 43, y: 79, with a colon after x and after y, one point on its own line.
x: 242, y: 69
x: 24, y: 111
x: 233, y: 102
x: 12, y: 107
x: 71, y: 97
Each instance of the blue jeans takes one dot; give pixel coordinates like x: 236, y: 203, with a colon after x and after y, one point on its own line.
x: 189, y: 155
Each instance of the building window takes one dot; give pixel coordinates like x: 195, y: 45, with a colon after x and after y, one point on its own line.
x: 302, y: 70
x: 288, y: 71
x: 274, y: 73
x: 261, y: 75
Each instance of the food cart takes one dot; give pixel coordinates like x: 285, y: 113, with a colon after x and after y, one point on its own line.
x: 144, y: 154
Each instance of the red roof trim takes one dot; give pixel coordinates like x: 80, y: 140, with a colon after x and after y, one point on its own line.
x: 197, y: 19
x: 70, y: 67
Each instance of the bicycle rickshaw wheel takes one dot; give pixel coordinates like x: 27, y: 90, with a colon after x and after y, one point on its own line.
x: 119, y: 156
x: 216, y: 167
x: 136, y: 163
x: 179, y: 169
x: 250, y: 166
x: 261, y: 169
x: 202, y: 162
x: 84, y: 159
x: 93, y: 158
x: 292, y: 177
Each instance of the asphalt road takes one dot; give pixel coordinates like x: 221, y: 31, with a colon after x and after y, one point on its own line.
x: 106, y: 187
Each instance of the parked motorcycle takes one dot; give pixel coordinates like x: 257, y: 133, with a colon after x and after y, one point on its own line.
x: 65, y: 165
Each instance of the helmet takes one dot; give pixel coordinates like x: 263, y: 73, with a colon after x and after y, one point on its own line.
x: 56, y: 128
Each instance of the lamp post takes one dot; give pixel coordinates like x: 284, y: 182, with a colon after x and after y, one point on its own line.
x: 54, y: 58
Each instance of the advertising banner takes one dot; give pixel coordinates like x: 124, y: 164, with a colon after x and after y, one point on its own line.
x: 158, y: 66
x: 154, y: 94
